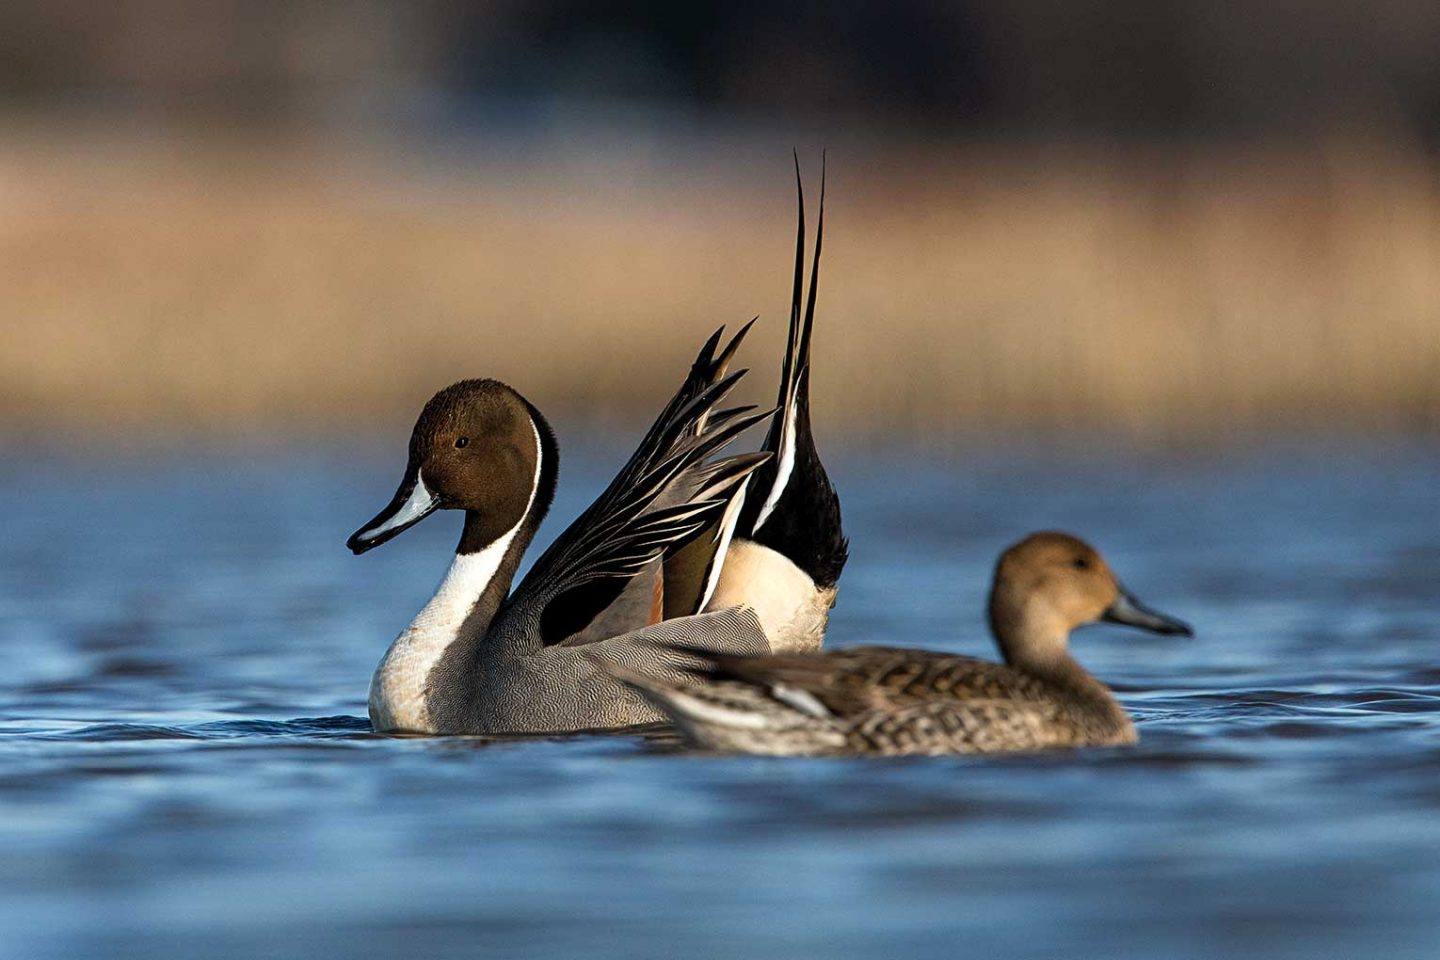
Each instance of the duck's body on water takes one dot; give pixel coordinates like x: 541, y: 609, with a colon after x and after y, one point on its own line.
x: 478, y: 659
x: 638, y: 575
x: 895, y: 701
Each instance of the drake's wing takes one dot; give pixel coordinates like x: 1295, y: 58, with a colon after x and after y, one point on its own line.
x: 691, y: 574
x: 664, y: 495
x: 687, y: 580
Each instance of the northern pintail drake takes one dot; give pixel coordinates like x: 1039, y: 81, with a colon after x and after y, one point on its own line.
x: 789, y: 548
x: 893, y: 701
x: 480, y: 659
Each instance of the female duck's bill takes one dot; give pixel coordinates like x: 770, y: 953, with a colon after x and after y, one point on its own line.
x: 892, y: 701
x: 1130, y: 612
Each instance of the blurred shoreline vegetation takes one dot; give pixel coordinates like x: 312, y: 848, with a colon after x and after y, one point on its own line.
x: 223, y: 219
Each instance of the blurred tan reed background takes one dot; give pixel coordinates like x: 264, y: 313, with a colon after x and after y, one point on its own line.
x: 172, y: 271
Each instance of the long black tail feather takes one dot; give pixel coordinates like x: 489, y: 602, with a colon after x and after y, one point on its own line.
x: 791, y: 505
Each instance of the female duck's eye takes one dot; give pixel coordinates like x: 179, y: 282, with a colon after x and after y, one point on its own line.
x: 1081, y: 563
x: 462, y: 443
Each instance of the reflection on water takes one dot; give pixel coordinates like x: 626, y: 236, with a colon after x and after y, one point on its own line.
x: 164, y: 626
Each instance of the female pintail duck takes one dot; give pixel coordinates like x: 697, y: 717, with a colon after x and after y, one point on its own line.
x: 789, y: 548
x: 891, y: 701
x: 479, y: 659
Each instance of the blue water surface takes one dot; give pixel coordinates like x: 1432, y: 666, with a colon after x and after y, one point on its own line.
x: 186, y: 769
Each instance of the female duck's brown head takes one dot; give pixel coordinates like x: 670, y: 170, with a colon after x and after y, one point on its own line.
x: 1050, y: 583
x: 480, y: 447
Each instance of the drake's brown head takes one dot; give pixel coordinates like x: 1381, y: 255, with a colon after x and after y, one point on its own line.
x: 1050, y: 583
x: 480, y: 447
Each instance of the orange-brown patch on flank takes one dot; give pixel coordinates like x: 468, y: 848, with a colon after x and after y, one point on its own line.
x: 657, y: 600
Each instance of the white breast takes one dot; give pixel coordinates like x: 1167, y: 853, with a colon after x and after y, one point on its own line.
x: 397, y: 690
x: 791, y: 608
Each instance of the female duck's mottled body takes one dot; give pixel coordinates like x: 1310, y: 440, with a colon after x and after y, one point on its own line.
x: 894, y: 701
x: 789, y: 549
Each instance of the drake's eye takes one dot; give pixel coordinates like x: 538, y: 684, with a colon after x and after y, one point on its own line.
x: 462, y: 443
x: 1081, y: 563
